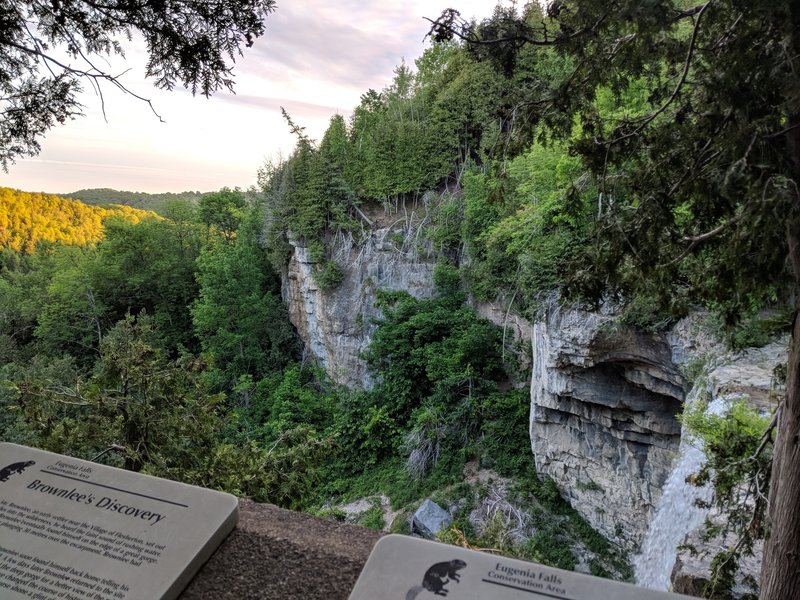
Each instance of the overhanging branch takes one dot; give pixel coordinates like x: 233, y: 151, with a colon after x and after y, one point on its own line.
x: 681, y: 81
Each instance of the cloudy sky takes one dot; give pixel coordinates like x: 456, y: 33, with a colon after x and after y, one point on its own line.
x: 316, y: 59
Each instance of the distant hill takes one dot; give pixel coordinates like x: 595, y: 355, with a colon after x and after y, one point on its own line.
x: 28, y: 218
x: 141, y: 200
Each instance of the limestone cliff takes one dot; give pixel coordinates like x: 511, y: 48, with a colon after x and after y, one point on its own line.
x: 604, y: 399
x: 602, y: 422
x: 336, y: 326
x: 749, y: 375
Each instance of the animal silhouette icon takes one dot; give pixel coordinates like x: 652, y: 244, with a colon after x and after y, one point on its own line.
x: 13, y: 468
x: 437, y: 577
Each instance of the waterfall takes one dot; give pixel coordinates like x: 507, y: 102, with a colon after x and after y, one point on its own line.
x: 677, y: 514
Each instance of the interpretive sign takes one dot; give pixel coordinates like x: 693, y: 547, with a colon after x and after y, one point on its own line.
x: 416, y: 569
x: 76, y: 530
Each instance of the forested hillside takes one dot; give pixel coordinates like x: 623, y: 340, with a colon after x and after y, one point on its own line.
x: 168, y: 344
x: 155, y: 202
x: 26, y: 219
x: 516, y: 196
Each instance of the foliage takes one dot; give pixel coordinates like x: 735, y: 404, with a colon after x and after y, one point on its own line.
x: 695, y: 173
x: 434, y: 360
x: 65, y: 297
x: 134, y: 398
x: 329, y: 276
x: 417, y: 133
x: 285, y: 474
x: 738, y: 466
x: 760, y: 329
x: 282, y: 401
x: 26, y: 219
x: 431, y: 349
x: 306, y: 200
x: 129, y: 383
x: 150, y: 266
x: 222, y: 211
x: 187, y: 42
x: 239, y: 317
x: 157, y: 203
x: 523, y: 224
x: 68, y: 316
x: 505, y: 430
x: 446, y: 222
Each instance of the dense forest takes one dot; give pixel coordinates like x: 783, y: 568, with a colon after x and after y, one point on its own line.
x: 27, y: 220
x: 157, y: 203
x: 167, y: 342
x: 165, y: 339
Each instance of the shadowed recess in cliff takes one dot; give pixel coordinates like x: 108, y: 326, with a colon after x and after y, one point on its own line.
x: 603, y: 417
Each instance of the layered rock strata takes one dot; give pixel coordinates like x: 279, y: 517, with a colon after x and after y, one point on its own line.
x: 603, y: 417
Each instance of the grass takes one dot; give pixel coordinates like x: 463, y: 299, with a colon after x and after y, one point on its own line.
x: 372, y: 518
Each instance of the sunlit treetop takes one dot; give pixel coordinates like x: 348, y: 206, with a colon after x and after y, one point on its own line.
x: 27, y: 219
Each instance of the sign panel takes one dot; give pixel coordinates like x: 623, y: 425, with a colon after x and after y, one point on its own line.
x: 416, y: 569
x: 75, y: 530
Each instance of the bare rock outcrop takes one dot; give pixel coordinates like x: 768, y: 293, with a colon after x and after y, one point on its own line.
x: 603, y: 426
x: 749, y: 375
x: 336, y: 326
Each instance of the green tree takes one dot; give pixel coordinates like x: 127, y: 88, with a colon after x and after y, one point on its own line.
x: 698, y: 196
x: 153, y: 408
x: 282, y: 401
x: 155, y: 404
x: 190, y: 42
x: 222, y: 211
x: 436, y: 348
x: 149, y: 266
x: 239, y: 316
x: 23, y: 288
x: 71, y: 317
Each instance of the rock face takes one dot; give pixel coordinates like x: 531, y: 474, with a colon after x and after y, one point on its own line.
x: 747, y: 375
x: 336, y: 326
x: 692, y: 570
x: 603, y: 423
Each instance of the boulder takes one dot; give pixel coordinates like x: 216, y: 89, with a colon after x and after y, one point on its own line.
x: 429, y: 519
x: 692, y: 568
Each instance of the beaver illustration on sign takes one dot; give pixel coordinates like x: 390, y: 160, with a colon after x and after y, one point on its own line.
x: 438, y: 576
x: 19, y: 467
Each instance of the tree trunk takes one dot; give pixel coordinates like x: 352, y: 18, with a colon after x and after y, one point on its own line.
x: 780, y: 573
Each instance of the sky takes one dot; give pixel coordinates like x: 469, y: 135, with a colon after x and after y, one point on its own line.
x: 315, y: 59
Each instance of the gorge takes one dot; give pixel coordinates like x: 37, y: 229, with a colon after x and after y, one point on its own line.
x: 605, y: 398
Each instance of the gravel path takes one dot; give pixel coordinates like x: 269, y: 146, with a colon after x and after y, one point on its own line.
x: 280, y: 554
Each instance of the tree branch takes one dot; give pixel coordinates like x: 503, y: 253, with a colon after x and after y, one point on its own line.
x: 684, y: 74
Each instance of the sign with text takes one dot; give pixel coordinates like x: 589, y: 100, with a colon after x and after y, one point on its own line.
x: 76, y: 530
x: 416, y: 569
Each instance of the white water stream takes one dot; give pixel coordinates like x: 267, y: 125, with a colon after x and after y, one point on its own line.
x: 676, y: 514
